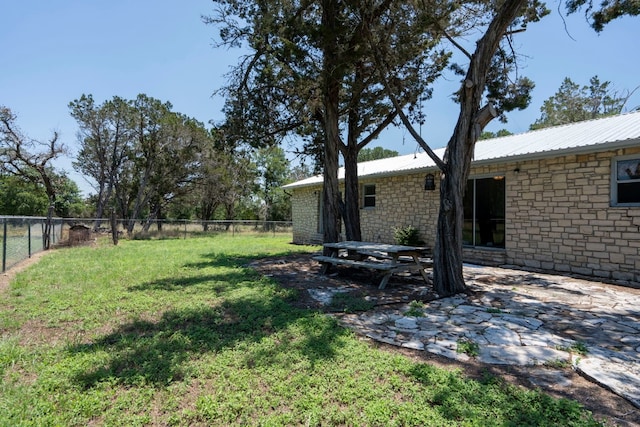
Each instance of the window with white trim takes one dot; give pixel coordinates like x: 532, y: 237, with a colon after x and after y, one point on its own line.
x: 625, y: 181
x: 369, y: 196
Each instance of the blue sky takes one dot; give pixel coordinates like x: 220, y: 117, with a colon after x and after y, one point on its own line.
x: 55, y: 51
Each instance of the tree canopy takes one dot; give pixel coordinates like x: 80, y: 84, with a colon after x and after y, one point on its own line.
x: 605, y: 12
x: 572, y: 103
x: 375, y: 153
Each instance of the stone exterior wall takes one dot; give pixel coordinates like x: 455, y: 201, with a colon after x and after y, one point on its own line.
x: 305, y: 215
x: 558, y: 216
x: 400, y: 201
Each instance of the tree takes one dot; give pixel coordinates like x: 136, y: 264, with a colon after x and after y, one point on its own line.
x: 225, y: 176
x: 105, y: 138
x: 572, y: 103
x: 486, y: 92
x: 22, y: 197
x: 498, y: 134
x: 273, y: 168
x: 376, y: 153
x: 140, y: 153
x: 312, y: 73
x: 20, y: 155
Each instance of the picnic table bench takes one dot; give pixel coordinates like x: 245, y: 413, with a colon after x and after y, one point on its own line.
x: 391, y: 259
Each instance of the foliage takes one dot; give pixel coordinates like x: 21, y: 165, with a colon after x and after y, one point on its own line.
x: 498, y: 134
x: 20, y: 196
x: 69, y: 202
x: 572, y: 103
x: 181, y: 332
x: 141, y: 154
x: 607, y: 12
x: 367, y: 154
x: 577, y: 347
x: 272, y: 170
x: 407, y: 235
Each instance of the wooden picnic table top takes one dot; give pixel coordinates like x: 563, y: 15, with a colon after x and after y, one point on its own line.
x: 375, y: 247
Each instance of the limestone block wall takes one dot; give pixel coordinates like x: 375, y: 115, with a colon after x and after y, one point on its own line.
x: 401, y: 201
x: 559, y: 218
x: 305, y: 215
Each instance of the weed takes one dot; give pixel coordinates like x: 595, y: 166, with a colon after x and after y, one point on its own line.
x: 468, y: 347
x: 494, y: 310
x: 416, y: 309
x: 577, y: 347
x: 557, y: 363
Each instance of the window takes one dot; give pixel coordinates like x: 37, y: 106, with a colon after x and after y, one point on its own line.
x: 625, y: 183
x: 484, y: 212
x: 369, y: 196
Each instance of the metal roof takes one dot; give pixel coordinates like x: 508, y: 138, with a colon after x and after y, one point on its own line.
x: 581, y: 137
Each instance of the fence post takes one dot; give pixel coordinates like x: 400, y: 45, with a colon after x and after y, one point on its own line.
x: 4, y: 245
x: 29, y: 237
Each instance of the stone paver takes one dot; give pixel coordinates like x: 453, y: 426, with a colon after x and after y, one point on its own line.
x: 522, y: 318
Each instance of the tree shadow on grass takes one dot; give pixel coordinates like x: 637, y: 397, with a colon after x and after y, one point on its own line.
x: 155, y: 352
x: 221, y: 282
x: 456, y: 398
x: 214, y: 259
x: 235, y: 271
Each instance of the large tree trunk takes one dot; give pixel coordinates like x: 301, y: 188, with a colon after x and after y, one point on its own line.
x: 351, y: 196
x: 331, y: 89
x: 447, y: 255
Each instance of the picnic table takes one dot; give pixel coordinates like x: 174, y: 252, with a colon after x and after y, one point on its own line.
x: 390, y: 259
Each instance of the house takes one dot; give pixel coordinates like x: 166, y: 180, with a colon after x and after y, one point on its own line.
x: 563, y: 199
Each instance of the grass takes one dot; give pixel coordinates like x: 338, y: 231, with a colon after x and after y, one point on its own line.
x: 349, y: 303
x: 184, y: 332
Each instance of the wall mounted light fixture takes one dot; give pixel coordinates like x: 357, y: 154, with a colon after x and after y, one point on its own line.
x: 429, y: 182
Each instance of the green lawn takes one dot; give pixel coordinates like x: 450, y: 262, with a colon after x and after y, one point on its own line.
x: 183, y: 332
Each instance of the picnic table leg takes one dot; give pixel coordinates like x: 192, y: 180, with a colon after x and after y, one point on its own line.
x: 324, y: 269
x: 422, y: 272
x: 385, y: 280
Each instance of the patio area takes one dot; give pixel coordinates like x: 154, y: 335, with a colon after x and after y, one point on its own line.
x: 508, y: 318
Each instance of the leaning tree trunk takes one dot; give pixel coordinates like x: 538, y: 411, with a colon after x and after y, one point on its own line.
x: 447, y: 254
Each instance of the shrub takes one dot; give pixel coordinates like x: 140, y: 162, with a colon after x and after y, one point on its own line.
x: 408, y: 235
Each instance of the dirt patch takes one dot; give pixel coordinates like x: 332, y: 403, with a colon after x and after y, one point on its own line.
x: 301, y: 273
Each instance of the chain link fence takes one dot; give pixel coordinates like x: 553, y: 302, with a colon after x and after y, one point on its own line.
x: 21, y: 237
